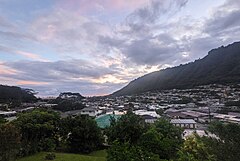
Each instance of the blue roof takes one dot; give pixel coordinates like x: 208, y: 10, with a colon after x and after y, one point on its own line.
x: 104, y: 121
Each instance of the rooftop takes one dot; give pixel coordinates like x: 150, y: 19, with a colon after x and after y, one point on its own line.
x: 183, y: 121
x: 105, y: 120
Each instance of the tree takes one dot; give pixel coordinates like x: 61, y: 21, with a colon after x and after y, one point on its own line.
x: 160, y: 111
x: 9, y: 142
x: 2, y: 120
x: 39, y: 130
x: 128, y: 128
x: 127, y: 152
x: 68, y: 105
x: 226, y: 145
x: 15, y: 95
x: 194, y: 149
x: 130, y: 135
x: 84, y: 136
x: 163, y: 139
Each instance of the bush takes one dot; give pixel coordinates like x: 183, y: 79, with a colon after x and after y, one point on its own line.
x: 50, y: 156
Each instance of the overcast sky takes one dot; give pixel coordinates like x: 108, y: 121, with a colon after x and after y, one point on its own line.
x: 95, y: 47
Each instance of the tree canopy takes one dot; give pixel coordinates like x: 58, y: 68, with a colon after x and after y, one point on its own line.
x: 9, y: 142
x: 38, y: 129
x: 13, y: 94
x: 82, y: 134
x: 131, y: 137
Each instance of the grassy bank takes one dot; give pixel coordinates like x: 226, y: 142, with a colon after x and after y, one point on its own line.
x: 95, y: 156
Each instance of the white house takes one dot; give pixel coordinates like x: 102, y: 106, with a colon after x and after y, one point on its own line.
x: 90, y: 111
x: 185, y: 123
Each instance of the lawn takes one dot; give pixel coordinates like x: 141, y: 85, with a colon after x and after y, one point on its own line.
x: 95, y: 156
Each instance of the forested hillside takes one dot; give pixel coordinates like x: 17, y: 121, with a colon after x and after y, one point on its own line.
x: 221, y: 65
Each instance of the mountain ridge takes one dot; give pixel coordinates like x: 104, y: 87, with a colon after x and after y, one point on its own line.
x: 221, y: 65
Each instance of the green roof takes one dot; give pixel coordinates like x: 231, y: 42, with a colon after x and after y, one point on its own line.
x: 104, y: 121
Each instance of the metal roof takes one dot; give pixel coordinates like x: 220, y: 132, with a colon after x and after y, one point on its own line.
x: 183, y: 121
x: 105, y: 120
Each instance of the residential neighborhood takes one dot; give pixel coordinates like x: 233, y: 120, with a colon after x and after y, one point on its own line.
x: 188, y: 108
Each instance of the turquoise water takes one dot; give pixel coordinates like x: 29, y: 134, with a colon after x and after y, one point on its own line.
x: 104, y: 121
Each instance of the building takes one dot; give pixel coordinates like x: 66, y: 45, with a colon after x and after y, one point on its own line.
x: 149, y: 118
x: 8, y: 113
x: 184, y: 123
x: 90, y: 111
x: 104, y: 121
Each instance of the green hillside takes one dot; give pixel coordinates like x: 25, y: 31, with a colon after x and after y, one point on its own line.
x: 96, y: 156
x: 221, y: 65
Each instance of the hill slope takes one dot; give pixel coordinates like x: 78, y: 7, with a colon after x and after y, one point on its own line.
x: 66, y: 157
x: 13, y: 93
x: 221, y: 65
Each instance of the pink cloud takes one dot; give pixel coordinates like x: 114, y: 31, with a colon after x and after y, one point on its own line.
x: 85, y: 6
x: 31, y: 83
x: 4, y: 70
x: 30, y: 55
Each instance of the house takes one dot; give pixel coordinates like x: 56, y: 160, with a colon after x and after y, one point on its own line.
x: 145, y: 112
x: 8, y: 113
x: 104, y: 121
x: 90, y: 111
x: 185, y: 123
x: 149, y: 118
x: 201, y: 133
x: 197, y: 116
x: 227, y: 118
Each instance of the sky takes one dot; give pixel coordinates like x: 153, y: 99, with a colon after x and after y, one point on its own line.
x: 96, y: 47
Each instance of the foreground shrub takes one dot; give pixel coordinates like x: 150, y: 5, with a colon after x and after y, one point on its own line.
x: 50, y: 156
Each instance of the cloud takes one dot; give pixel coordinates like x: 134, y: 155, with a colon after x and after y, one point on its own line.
x: 153, y: 11
x: 89, y: 78
x: 88, y: 6
x: 5, y: 70
x: 98, y: 56
x: 151, y: 51
x: 4, y: 23
x: 31, y: 83
x: 74, y: 74
x: 27, y: 55
x: 58, y: 71
x: 225, y: 21
x: 222, y: 27
x: 140, y: 41
x: 69, y: 33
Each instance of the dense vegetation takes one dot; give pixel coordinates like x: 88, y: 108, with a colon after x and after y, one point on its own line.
x: 68, y: 101
x: 129, y: 138
x: 44, y: 130
x: 67, y: 157
x: 162, y: 141
x: 133, y: 139
x: 226, y: 146
x: 68, y: 105
x: 221, y: 65
x: 13, y: 94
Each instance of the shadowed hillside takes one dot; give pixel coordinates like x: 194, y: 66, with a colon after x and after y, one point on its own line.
x: 13, y: 93
x: 221, y: 65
